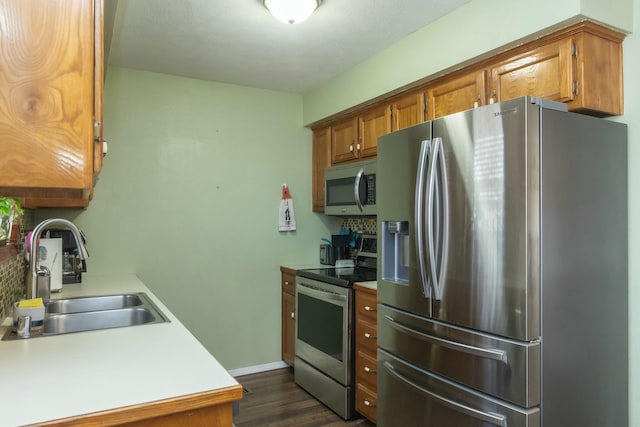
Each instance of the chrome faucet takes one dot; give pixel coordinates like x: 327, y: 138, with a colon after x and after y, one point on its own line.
x: 33, y: 290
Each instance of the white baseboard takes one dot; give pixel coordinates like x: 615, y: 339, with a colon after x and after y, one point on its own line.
x: 257, y: 368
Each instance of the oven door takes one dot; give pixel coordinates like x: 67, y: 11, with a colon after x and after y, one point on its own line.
x: 323, y: 327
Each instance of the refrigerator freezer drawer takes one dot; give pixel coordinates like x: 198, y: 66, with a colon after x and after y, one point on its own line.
x: 504, y: 368
x: 410, y: 396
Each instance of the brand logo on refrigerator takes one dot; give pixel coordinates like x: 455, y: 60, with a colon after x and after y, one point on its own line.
x: 505, y: 112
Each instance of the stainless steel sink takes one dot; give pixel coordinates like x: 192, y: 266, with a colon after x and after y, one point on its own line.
x: 102, y: 302
x: 64, y: 316
x: 102, y: 319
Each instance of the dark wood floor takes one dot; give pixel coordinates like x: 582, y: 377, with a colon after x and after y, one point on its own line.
x: 272, y: 399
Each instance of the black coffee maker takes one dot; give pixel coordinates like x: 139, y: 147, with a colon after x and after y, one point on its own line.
x: 72, y: 265
x: 340, y: 246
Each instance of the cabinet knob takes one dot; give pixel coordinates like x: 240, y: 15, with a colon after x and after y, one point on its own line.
x: 293, y: 315
x: 351, y: 147
x: 369, y: 403
x: 286, y: 283
x: 476, y: 102
x: 367, y: 335
x: 369, y: 308
x: 493, y: 97
x: 368, y: 370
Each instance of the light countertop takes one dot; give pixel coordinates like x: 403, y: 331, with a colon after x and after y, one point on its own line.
x: 371, y: 285
x: 61, y: 376
x: 308, y: 266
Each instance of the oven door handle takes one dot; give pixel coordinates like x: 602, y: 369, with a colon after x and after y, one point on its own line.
x: 322, y: 295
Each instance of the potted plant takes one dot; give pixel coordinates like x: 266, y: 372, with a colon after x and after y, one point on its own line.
x: 10, y: 215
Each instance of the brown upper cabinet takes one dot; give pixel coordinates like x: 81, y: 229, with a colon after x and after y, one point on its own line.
x: 357, y: 137
x: 407, y: 110
x: 51, y: 91
x: 582, y: 69
x: 321, y: 159
x: 344, y: 136
x: 451, y: 95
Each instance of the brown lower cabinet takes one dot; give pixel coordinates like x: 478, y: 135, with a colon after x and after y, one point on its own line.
x: 288, y: 314
x: 366, y: 352
x: 211, y: 409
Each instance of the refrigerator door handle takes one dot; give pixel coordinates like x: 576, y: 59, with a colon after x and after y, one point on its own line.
x: 437, y: 159
x: 487, y: 417
x: 421, y: 173
x: 486, y: 353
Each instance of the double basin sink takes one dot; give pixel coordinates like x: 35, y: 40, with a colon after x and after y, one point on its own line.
x: 64, y: 316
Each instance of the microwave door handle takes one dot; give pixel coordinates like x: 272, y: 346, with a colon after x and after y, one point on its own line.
x: 425, y: 147
x: 356, y: 189
x: 487, y: 417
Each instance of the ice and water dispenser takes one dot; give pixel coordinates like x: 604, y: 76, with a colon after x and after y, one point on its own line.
x: 395, y: 251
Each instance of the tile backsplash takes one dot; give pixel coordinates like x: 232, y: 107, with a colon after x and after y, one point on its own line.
x: 363, y: 225
x: 12, y: 278
x: 13, y: 270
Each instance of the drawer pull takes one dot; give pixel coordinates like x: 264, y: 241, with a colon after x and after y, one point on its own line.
x: 367, y: 335
x: 369, y: 308
x: 369, y: 370
x: 369, y: 403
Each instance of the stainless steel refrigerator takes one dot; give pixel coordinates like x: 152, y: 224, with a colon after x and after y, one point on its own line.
x: 502, y: 275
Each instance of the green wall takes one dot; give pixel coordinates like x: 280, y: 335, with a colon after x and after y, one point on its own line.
x: 188, y: 200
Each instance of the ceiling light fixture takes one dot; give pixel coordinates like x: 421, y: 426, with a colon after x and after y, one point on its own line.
x: 291, y: 11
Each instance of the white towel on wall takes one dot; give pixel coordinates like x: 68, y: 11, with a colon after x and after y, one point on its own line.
x: 287, y: 220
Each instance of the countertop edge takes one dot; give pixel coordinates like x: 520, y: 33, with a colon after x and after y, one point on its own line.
x: 150, y: 410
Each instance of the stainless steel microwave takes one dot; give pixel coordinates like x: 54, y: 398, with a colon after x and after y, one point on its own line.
x: 350, y: 189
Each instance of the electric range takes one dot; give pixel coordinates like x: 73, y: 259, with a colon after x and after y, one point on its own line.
x: 325, y: 339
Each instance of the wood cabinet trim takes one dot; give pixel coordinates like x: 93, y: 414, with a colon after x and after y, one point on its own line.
x: 147, y: 411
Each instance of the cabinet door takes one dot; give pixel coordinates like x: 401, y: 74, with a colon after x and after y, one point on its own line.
x: 373, y: 123
x: 321, y: 158
x: 288, y: 308
x: 288, y: 328
x: 367, y: 402
x: 546, y: 72
x: 599, y: 89
x: 457, y: 94
x: 344, y: 136
x: 407, y: 110
x: 47, y: 96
